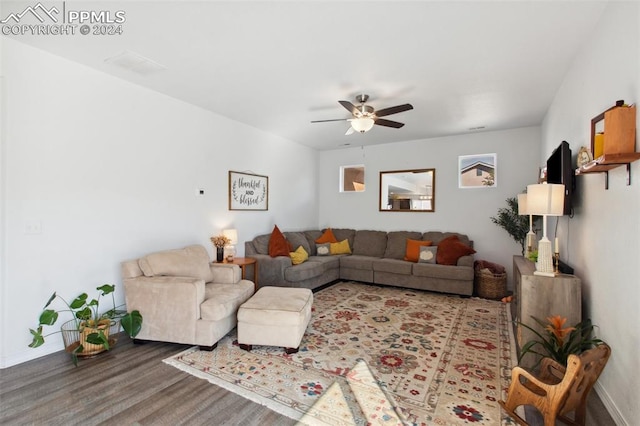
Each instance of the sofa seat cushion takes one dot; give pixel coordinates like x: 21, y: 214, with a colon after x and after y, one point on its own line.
x: 393, y: 266
x: 304, y: 271
x: 223, y: 300
x: 358, y: 262
x: 370, y: 243
x: 442, y: 271
x: 191, y: 261
x: 329, y: 262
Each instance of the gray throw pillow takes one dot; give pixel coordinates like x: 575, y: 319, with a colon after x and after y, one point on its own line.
x: 323, y: 249
x: 427, y: 254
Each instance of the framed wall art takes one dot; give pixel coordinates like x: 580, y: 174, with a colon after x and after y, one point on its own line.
x: 477, y: 171
x: 352, y: 178
x: 248, y: 191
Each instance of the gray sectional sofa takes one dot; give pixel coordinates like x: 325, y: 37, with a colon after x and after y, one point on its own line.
x: 377, y: 257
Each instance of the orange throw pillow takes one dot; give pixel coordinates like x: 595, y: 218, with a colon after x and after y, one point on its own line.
x: 451, y: 249
x: 327, y: 237
x: 412, y: 252
x: 278, y: 244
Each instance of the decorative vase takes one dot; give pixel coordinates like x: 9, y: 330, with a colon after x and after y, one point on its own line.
x: 219, y: 254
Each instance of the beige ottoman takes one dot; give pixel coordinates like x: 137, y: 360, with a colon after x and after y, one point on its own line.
x: 275, y: 316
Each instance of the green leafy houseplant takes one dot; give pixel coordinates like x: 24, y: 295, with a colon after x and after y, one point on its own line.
x: 92, y: 325
x: 516, y: 225
x: 557, y: 342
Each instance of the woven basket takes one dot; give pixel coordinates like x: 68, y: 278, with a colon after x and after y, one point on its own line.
x: 490, y: 285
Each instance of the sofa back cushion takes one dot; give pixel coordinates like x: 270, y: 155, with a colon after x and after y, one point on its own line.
x: 261, y: 244
x: 312, y: 236
x: 191, y: 261
x: 369, y: 243
x: 435, y: 237
x: 297, y: 239
x: 344, y: 234
x: 397, y: 243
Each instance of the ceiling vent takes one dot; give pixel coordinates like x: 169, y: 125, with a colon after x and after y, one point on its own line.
x: 136, y: 63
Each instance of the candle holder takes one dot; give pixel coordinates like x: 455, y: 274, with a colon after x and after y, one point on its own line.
x: 556, y: 261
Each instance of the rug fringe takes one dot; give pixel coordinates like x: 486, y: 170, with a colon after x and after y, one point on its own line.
x: 265, y: 402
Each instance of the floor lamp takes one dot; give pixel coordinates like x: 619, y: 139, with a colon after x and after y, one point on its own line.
x: 545, y: 200
x: 524, y: 210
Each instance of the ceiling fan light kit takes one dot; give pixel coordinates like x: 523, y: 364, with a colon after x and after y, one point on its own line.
x: 365, y: 116
x: 363, y: 124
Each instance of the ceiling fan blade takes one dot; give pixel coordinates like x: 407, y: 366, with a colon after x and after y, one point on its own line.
x: 335, y: 119
x: 349, y: 131
x: 349, y: 107
x: 393, y: 110
x: 388, y: 123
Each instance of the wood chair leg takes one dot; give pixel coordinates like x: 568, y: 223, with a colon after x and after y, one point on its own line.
x: 209, y: 348
x: 513, y: 414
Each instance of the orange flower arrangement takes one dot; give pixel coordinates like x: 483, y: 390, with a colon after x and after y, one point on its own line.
x: 555, y: 328
x: 559, y: 341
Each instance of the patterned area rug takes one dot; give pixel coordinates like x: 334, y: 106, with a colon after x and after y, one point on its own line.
x: 440, y: 359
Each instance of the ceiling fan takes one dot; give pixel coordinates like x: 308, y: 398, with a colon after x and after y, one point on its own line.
x: 364, y: 116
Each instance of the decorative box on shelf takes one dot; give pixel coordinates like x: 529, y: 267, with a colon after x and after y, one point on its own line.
x: 612, y: 145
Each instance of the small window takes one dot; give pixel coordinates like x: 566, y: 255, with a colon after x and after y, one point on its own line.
x: 352, y: 178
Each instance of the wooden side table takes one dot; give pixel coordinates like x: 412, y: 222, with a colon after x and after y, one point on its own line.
x: 243, y: 262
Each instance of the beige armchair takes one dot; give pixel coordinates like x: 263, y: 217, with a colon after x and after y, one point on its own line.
x: 183, y: 298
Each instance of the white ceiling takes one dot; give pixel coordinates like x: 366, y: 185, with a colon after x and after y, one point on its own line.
x: 277, y: 65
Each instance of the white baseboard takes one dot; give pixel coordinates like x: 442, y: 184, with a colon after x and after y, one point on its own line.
x: 611, y: 407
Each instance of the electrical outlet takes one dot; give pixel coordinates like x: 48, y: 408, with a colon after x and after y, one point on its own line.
x: 33, y: 227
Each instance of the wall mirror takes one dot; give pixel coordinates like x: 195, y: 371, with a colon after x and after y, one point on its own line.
x: 408, y: 190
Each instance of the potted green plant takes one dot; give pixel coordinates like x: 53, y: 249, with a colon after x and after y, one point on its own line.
x: 557, y: 342
x: 515, y: 224
x: 87, y: 333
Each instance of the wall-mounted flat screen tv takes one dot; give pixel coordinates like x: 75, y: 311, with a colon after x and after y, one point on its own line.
x: 559, y: 170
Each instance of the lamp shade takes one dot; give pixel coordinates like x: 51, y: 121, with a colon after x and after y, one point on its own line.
x: 362, y: 124
x: 522, y: 205
x: 232, y: 235
x: 545, y: 199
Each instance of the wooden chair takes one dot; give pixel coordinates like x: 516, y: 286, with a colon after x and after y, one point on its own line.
x: 557, y: 391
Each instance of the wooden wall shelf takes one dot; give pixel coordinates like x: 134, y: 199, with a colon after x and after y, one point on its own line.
x: 607, y: 162
x: 618, y: 142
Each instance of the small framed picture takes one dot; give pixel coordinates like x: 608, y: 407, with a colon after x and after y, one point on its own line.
x: 477, y: 171
x: 542, y: 174
x: 352, y: 178
x: 584, y: 157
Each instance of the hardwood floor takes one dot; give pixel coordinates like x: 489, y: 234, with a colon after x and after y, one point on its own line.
x: 127, y: 385
x: 131, y: 385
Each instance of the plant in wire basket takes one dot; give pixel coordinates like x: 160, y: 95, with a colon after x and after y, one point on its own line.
x: 87, y: 333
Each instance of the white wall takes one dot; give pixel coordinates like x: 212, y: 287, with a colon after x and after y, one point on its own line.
x: 467, y: 211
x: 602, y: 240
x: 109, y: 171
